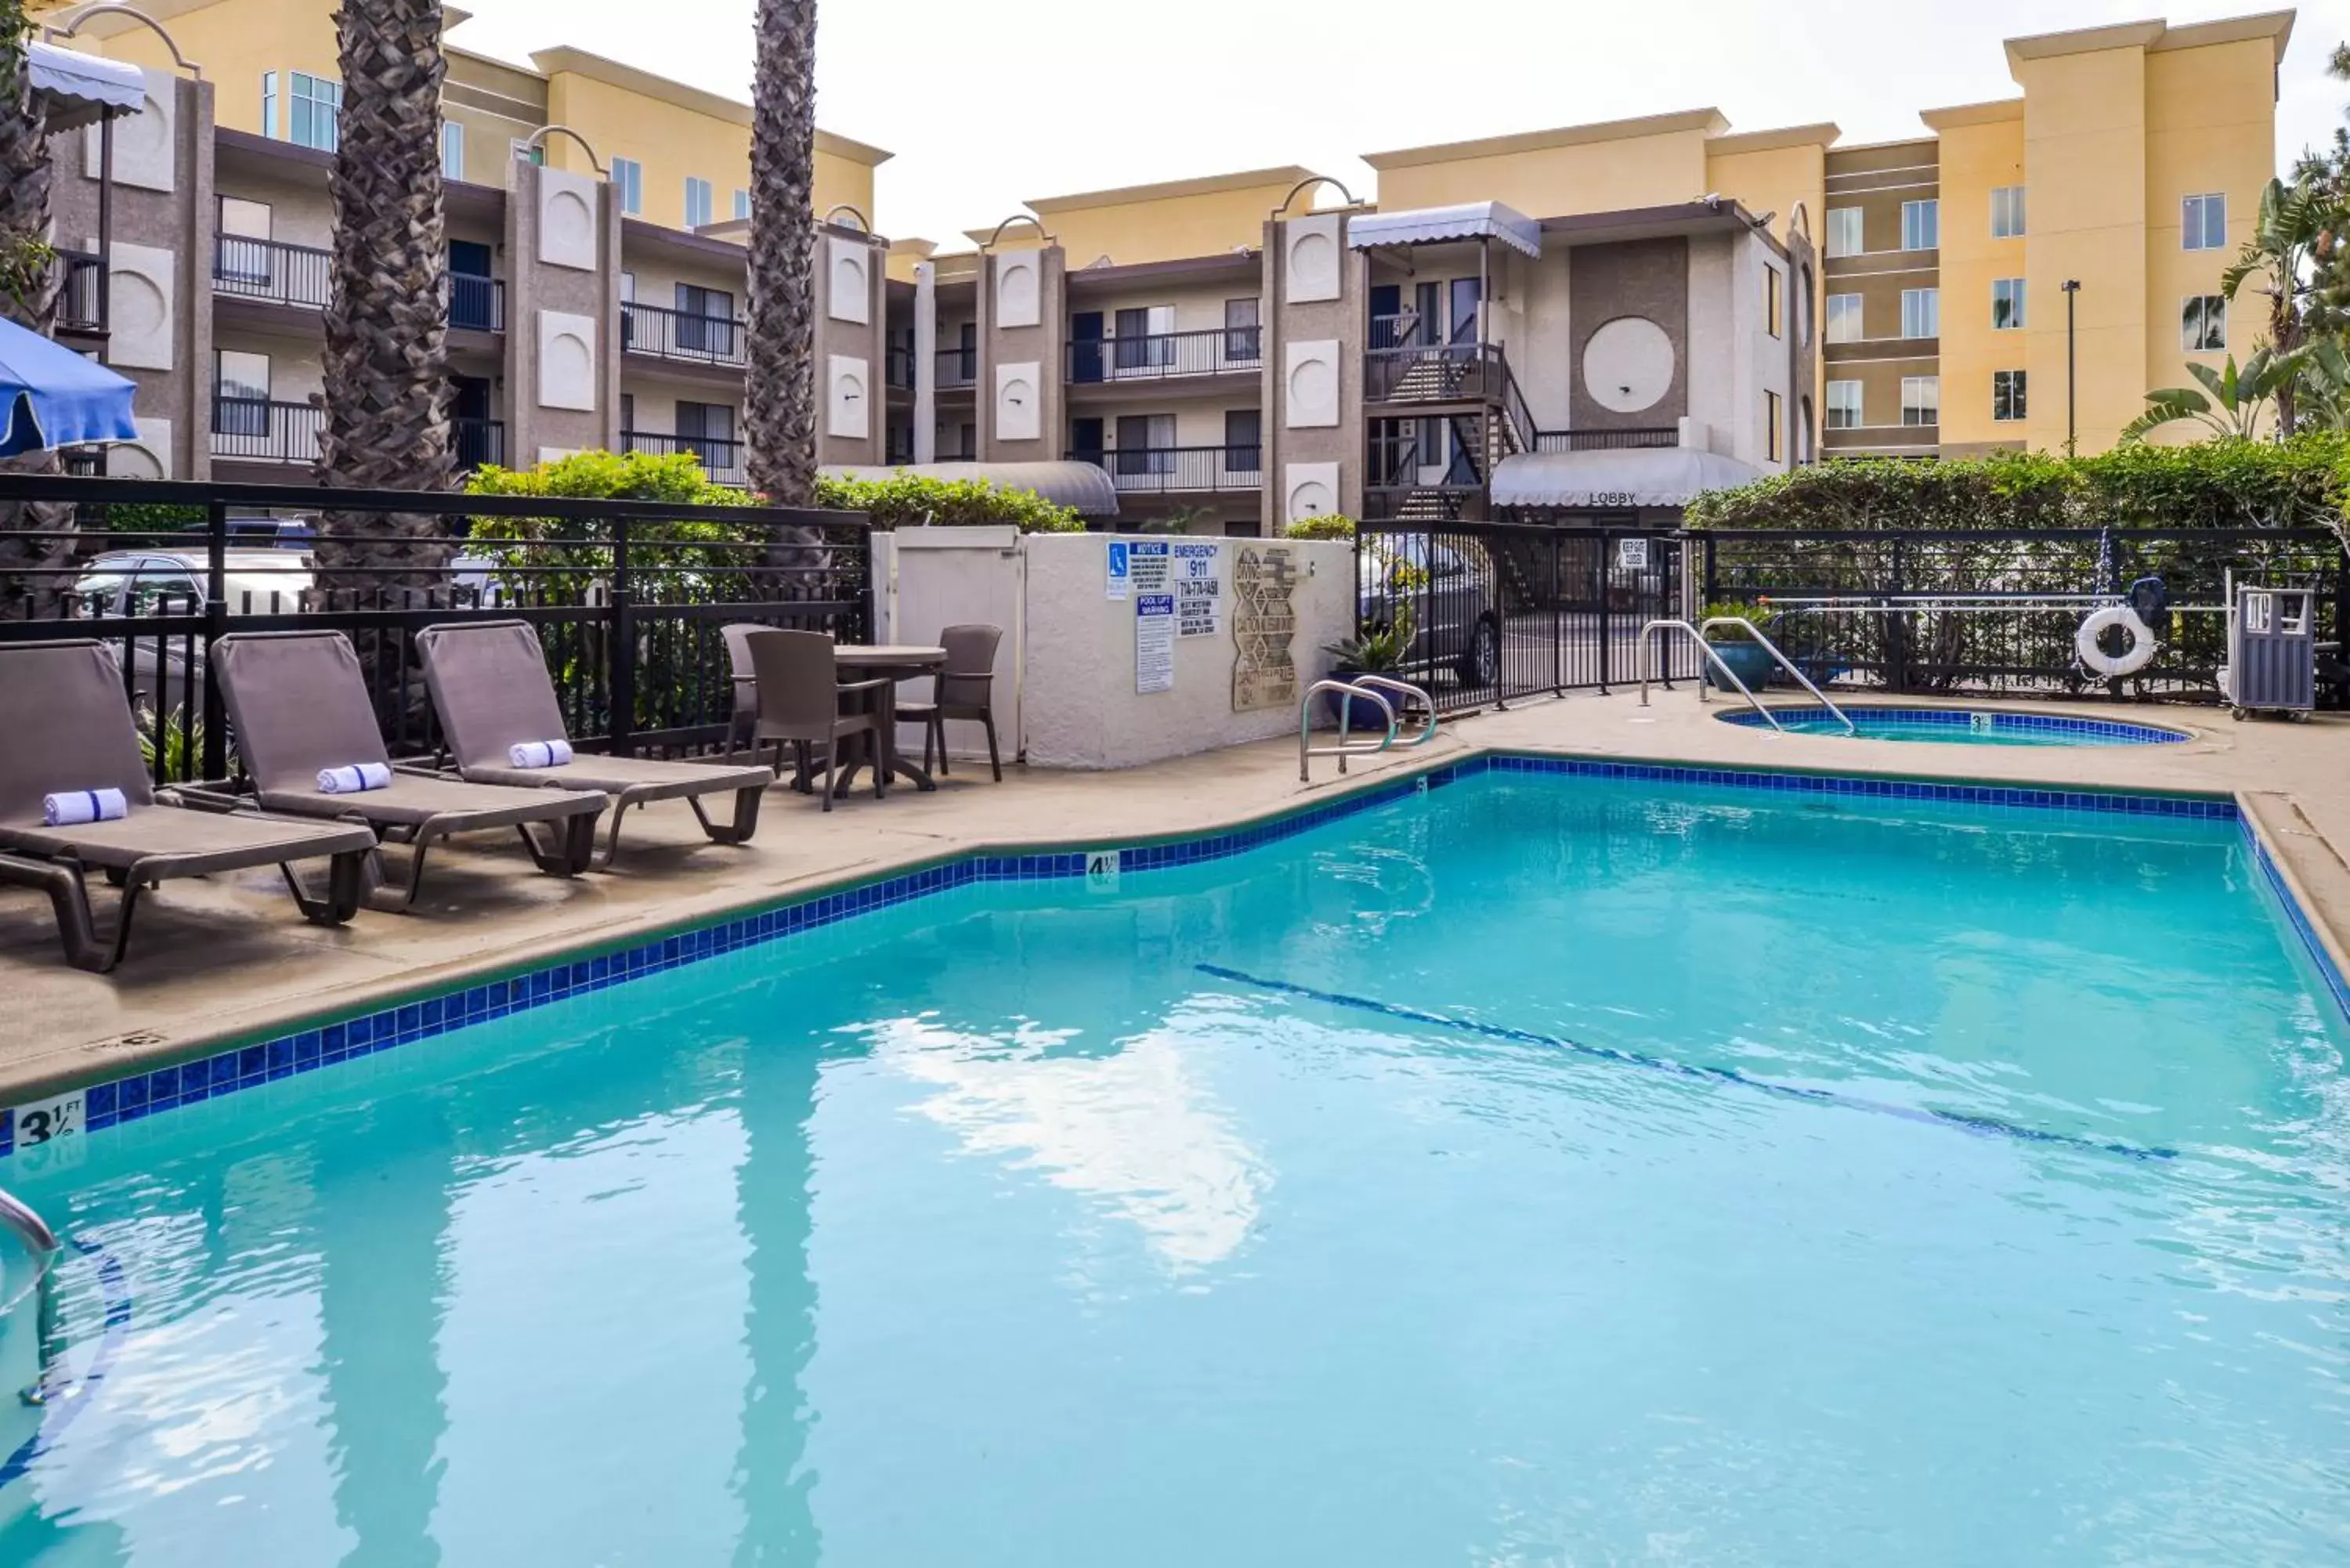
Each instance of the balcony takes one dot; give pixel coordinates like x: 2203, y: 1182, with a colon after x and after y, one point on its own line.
x: 272, y: 272
x: 897, y: 370
x: 720, y: 457
x: 958, y: 368
x: 1166, y: 470
x: 1640, y: 438
x: 478, y: 442
x: 1412, y: 372
x: 256, y: 430
x: 80, y: 281
x: 660, y: 333
x: 475, y: 303
x: 1164, y: 356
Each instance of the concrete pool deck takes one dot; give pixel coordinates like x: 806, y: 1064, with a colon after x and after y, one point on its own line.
x: 218, y: 960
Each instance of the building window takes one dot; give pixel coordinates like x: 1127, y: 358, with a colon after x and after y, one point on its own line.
x: 2204, y: 220
x: 243, y: 230
x: 697, y: 202
x: 1774, y: 446
x: 1244, y: 441
x: 524, y: 152
x: 2007, y: 213
x: 453, y: 150
x: 742, y: 204
x: 1843, y: 318
x: 2006, y: 304
x: 1243, y: 340
x: 1922, y: 225
x: 315, y: 105
x: 1921, y: 400
x: 1774, y: 302
x: 1921, y: 312
x: 1844, y: 232
x: 2203, y: 324
x: 269, y: 125
x: 2007, y: 395
x: 241, y: 395
x: 629, y: 181
x: 1843, y: 405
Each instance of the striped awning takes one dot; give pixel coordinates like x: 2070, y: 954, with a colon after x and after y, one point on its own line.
x: 1431, y: 225
x: 1636, y: 476
x: 82, y: 89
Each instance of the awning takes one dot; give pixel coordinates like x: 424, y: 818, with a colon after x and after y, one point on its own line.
x: 1472, y: 220
x: 82, y: 89
x: 1638, y: 476
x: 1081, y: 486
x: 52, y: 397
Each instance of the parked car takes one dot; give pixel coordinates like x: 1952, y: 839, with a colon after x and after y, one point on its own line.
x: 138, y: 583
x: 1450, y: 586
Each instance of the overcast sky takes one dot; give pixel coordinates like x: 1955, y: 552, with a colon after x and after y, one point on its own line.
x: 1098, y: 95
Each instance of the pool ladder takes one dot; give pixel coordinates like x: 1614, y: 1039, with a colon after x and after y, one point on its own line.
x: 18, y: 1216
x: 1697, y: 634
x: 1367, y: 687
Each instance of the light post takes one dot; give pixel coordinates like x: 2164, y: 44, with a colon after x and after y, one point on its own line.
x: 2071, y: 407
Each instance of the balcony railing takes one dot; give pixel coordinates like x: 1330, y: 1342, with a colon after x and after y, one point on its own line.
x: 475, y: 303
x: 478, y: 442
x: 80, y: 284
x: 1608, y: 440
x: 897, y: 370
x: 1158, y: 470
x: 256, y: 430
x: 1163, y: 355
x: 1434, y: 373
x: 270, y: 270
x: 721, y: 456
x: 666, y: 334
x: 958, y: 366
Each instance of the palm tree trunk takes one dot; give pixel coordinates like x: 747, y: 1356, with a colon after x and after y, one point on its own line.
x: 36, y: 548
x: 779, y: 393
x: 386, y: 377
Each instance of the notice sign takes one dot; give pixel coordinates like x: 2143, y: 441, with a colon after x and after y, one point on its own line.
x: 1148, y: 565
x: 1154, y: 642
x: 1121, y: 577
x: 1198, y: 599
x: 1632, y: 554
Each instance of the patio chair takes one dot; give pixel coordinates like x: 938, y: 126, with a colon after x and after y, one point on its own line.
x: 68, y: 720
x: 965, y: 689
x: 490, y: 686
x: 298, y: 705
x: 801, y: 699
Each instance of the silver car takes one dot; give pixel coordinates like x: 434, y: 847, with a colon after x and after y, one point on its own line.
x: 167, y: 668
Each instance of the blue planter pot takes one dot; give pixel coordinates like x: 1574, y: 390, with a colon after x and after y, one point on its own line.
x: 1750, y: 662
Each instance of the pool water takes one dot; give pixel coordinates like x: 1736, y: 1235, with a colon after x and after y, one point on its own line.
x: 1979, y: 727
x: 1533, y: 1171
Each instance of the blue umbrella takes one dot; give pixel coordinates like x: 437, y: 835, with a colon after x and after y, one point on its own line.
x: 52, y: 397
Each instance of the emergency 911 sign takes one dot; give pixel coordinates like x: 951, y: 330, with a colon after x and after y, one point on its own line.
x: 1199, y: 597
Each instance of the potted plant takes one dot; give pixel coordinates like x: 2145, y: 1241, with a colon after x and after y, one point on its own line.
x: 1747, y: 658
x: 1380, y: 651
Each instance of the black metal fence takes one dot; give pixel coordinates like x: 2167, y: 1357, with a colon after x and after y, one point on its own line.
x: 1497, y: 611
x: 1158, y: 356
x: 628, y: 597
x: 1983, y: 610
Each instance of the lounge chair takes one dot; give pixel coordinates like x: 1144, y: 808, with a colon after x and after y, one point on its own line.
x: 965, y: 689
x: 490, y: 686
x: 298, y: 705
x: 67, y: 724
x: 801, y: 699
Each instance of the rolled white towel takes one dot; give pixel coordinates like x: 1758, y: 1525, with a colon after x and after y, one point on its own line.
x: 71, y: 808
x: 353, y: 779
x: 540, y: 753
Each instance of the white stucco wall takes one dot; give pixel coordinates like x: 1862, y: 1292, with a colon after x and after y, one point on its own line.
x: 1081, y: 708
x: 1718, y: 387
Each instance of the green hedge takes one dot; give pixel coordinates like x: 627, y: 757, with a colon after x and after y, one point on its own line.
x: 911, y: 501
x: 1328, y: 526
x: 2212, y: 484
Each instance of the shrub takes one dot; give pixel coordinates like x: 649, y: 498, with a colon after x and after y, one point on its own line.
x: 911, y: 500
x: 1327, y: 525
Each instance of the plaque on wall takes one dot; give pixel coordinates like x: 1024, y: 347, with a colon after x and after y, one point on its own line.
x: 1264, y: 622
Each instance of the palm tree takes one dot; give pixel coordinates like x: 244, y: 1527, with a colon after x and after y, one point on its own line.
x: 2294, y: 221
x: 387, y: 354
x: 779, y: 396
x: 2229, y: 402
x: 31, y: 580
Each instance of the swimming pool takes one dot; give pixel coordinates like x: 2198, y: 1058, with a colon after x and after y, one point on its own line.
x: 1539, y: 1169
x: 1973, y: 727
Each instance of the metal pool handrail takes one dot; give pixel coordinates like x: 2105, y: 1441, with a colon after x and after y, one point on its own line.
x: 18, y: 1216
x: 1784, y: 663
x: 1363, y: 686
x: 1707, y: 648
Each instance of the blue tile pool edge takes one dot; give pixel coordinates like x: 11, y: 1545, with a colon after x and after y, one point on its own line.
x: 2122, y: 732
x: 225, y: 1070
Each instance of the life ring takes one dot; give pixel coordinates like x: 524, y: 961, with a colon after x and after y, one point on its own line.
x: 2136, y: 657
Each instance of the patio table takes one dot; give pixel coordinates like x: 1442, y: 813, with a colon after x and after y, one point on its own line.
x: 893, y: 662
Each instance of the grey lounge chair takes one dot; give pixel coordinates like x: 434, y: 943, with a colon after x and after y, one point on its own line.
x: 802, y: 700
x: 965, y: 689
x: 298, y: 703
x: 490, y: 686
x: 68, y: 725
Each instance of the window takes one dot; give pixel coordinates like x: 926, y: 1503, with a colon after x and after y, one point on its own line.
x: 1243, y: 439
x: 1843, y: 405
x: 2203, y: 324
x: 742, y: 206
x: 697, y: 202
x: 1922, y: 225
x: 453, y: 150
x: 1843, y: 318
x: 523, y: 153
x: 1844, y: 232
x: 269, y: 125
x: 2007, y: 395
x: 1921, y: 400
x: 2006, y: 304
x: 315, y: 104
x: 705, y: 320
x: 1921, y: 312
x: 1773, y: 441
x: 628, y: 413
x: 1775, y: 302
x: 1242, y: 342
x: 2007, y: 213
x: 629, y: 181
x: 241, y: 394
x: 2204, y: 223
x: 243, y: 240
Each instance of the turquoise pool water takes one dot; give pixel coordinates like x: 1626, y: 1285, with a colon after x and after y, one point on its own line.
x: 1537, y: 1171
x: 1979, y: 727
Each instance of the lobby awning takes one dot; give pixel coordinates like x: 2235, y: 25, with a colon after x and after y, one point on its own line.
x: 1640, y: 476
x: 1432, y: 225
x: 1082, y: 487
x: 82, y: 89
